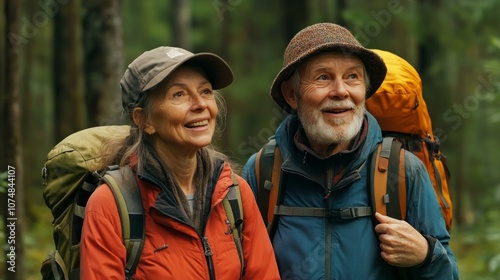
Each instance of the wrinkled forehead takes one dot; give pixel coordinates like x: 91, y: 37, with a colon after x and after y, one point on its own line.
x: 337, y: 60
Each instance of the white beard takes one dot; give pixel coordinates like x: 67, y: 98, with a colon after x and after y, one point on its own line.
x: 337, y: 130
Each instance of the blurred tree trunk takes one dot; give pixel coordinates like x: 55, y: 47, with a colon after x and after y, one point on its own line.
x: 340, y: 6
x: 295, y: 17
x: 468, y: 190
x: 67, y: 73
x: 459, y: 180
x: 223, y: 51
x: 465, y: 191
x: 29, y: 8
x: 14, y: 215
x: 30, y: 123
x: 326, y: 11
x: 395, y: 22
x: 3, y: 97
x: 103, y: 53
x: 4, y: 109
x: 437, y: 59
x: 181, y: 23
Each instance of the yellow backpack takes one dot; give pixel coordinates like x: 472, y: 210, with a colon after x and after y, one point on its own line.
x: 400, y: 109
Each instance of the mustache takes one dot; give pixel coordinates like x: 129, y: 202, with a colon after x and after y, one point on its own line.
x: 339, y: 104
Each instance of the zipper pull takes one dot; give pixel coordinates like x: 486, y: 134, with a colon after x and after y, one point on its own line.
x: 329, y: 182
x: 206, y: 246
x: 229, y: 228
x: 44, y: 176
x: 162, y: 247
x: 327, y: 196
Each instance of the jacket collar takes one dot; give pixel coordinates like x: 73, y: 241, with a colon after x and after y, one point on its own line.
x: 160, y: 197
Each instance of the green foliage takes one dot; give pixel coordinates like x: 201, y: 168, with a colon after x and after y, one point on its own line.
x: 3, y: 182
x: 478, y: 248
x: 146, y: 26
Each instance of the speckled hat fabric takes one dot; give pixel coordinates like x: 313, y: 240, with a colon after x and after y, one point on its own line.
x: 153, y: 66
x: 322, y: 37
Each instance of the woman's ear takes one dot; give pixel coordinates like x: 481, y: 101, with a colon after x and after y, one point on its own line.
x: 141, y: 121
x: 289, y: 94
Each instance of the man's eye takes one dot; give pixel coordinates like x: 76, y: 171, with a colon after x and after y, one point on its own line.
x: 322, y: 77
x: 352, y: 76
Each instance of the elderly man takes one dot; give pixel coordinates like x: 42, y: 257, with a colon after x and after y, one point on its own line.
x: 326, y: 142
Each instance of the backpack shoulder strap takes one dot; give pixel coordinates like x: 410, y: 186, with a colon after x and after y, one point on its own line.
x: 126, y: 191
x: 268, y: 173
x: 234, y: 210
x: 388, y: 184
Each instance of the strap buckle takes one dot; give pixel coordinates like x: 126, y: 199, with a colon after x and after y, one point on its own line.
x: 350, y: 213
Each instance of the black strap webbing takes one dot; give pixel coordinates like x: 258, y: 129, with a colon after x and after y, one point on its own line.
x: 393, y: 206
x: 234, y: 210
x: 266, y: 161
x: 125, y: 188
x: 345, y: 213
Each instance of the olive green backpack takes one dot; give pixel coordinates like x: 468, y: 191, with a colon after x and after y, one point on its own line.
x: 70, y: 176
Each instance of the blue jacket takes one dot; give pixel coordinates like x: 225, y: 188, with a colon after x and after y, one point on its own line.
x: 315, y: 247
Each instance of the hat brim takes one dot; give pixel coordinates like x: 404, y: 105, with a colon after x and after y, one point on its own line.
x: 217, y: 70
x: 374, y: 65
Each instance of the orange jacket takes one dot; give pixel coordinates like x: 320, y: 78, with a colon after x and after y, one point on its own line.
x: 173, y: 249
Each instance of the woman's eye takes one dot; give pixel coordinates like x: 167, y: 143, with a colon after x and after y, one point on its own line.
x: 177, y: 94
x: 207, y: 92
x: 322, y: 77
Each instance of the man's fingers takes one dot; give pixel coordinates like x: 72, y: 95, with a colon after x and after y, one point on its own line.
x: 384, y: 219
x: 385, y: 223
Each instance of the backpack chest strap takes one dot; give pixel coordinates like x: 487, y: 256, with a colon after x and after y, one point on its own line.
x: 344, y: 213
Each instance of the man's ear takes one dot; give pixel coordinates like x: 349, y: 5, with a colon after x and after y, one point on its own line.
x: 141, y: 121
x: 288, y: 93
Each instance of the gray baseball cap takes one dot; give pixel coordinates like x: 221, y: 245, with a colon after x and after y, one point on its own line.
x: 153, y: 66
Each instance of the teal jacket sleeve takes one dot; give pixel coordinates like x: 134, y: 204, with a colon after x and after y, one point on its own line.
x: 424, y: 214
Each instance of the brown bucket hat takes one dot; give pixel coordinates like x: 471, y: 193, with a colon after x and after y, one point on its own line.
x: 322, y: 37
x: 153, y: 66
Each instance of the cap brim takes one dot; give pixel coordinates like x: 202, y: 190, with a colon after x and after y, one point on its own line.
x: 374, y: 65
x: 217, y: 70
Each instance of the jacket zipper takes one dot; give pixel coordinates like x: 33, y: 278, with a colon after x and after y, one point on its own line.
x: 330, y: 176
x: 208, y: 255
x: 208, y: 250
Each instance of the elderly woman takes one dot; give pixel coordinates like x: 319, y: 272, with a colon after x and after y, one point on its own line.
x: 169, y: 95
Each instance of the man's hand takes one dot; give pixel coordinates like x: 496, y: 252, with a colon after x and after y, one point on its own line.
x: 401, y: 245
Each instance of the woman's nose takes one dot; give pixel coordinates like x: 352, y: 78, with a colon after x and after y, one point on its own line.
x: 198, y: 101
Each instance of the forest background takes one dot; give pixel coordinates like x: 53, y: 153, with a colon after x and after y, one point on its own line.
x: 61, y: 61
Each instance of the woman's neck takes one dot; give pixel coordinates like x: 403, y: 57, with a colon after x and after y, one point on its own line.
x: 182, y: 169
